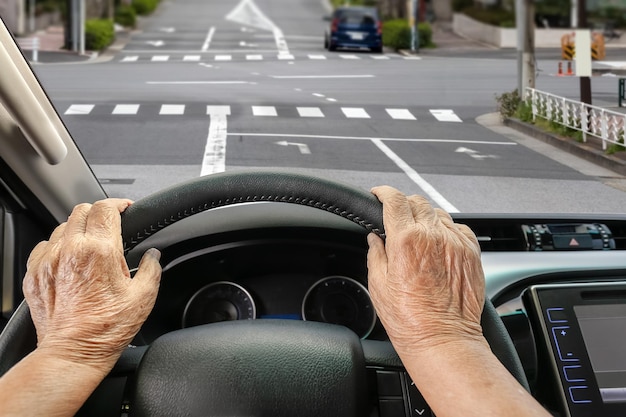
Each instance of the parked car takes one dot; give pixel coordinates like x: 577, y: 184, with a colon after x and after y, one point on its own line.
x: 354, y: 27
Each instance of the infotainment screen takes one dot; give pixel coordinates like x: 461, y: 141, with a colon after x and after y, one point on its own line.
x: 581, y: 330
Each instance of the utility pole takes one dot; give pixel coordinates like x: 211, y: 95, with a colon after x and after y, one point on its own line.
x: 525, y: 22
x: 585, y: 82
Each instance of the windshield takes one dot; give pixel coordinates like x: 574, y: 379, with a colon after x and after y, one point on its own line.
x: 197, y: 87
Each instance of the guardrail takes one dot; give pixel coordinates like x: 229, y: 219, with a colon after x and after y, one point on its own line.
x: 31, y: 44
x: 590, y: 120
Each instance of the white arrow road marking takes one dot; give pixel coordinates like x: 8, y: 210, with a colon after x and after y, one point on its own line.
x: 474, y: 154
x: 249, y: 14
x: 302, y: 147
x: 214, y: 159
x: 156, y: 43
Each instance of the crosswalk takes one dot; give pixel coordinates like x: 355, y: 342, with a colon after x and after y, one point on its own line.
x: 311, y: 112
x: 260, y: 57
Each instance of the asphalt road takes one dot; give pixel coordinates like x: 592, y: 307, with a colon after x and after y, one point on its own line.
x: 220, y: 85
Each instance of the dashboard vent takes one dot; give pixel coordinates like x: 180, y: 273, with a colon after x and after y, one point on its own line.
x: 497, y: 236
x: 618, y: 230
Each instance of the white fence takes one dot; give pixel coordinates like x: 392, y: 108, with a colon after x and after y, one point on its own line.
x: 590, y: 120
x: 31, y: 44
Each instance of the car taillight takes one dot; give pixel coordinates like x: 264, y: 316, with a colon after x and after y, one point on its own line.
x: 379, y: 28
x: 334, y: 24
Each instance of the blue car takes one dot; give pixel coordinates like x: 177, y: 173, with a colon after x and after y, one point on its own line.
x: 354, y: 27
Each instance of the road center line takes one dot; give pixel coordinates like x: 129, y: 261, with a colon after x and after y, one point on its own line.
x: 416, y: 178
x: 209, y: 37
x: 289, y: 135
x: 295, y: 77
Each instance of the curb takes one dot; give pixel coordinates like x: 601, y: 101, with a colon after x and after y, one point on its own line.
x: 582, y: 150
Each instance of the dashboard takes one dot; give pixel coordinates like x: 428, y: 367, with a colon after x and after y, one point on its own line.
x: 276, y: 261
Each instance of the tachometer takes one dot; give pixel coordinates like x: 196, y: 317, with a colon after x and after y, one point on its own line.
x: 340, y: 300
x: 219, y: 301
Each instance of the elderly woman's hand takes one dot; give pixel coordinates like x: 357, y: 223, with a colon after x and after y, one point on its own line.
x: 426, y: 279
x: 83, y: 302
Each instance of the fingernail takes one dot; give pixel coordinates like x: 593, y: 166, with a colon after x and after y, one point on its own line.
x: 155, y: 253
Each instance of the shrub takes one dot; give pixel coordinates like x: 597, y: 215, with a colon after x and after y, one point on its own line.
x: 125, y: 15
x: 508, y: 103
x: 144, y: 7
x: 460, y: 5
x: 491, y: 15
x: 99, y: 34
x: 397, y: 34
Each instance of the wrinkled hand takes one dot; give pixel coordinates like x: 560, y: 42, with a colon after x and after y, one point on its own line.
x: 426, y: 281
x: 78, y: 287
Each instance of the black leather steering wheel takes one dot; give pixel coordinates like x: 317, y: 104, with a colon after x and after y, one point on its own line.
x: 252, y: 367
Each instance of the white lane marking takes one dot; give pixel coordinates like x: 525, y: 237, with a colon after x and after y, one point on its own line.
x: 331, y: 99
x: 130, y: 58
x: 312, y: 77
x: 296, y: 135
x: 79, y: 109
x: 223, y: 57
x: 158, y: 43
x: 160, y: 58
x: 349, y: 57
x: 310, y: 112
x: 172, y: 109
x: 264, y: 111
x: 446, y: 115
x: 214, y: 159
x: 416, y: 178
x: 126, y: 109
x: 193, y: 58
x: 254, y: 57
x: 412, y: 58
x: 400, y: 114
x: 318, y: 95
x: 285, y: 57
x: 221, y: 110
x: 167, y: 29
x: 379, y: 56
x: 207, y: 40
x: 195, y: 82
x: 355, y: 113
x: 317, y: 57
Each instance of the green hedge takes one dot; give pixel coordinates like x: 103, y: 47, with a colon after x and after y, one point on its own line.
x: 99, y: 34
x: 491, y: 15
x: 144, y: 7
x: 125, y: 15
x: 397, y: 34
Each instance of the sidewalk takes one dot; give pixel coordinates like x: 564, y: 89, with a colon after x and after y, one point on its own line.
x: 51, y: 42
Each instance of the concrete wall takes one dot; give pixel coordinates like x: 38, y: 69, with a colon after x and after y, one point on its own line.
x: 442, y: 9
x: 12, y: 13
x: 503, y: 37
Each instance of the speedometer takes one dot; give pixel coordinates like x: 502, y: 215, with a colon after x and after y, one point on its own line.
x: 219, y: 301
x: 340, y: 300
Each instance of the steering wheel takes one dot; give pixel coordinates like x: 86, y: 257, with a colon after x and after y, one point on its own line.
x: 257, y: 367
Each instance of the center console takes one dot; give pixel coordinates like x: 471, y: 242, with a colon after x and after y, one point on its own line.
x: 581, y: 335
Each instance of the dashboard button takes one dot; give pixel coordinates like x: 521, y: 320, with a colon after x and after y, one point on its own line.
x: 389, y: 384
x: 556, y: 315
x: 417, y: 404
x: 391, y: 408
